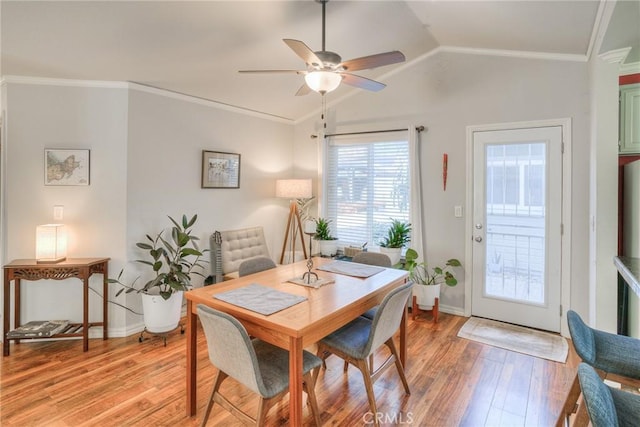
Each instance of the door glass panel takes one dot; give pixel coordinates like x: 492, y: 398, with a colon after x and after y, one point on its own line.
x: 515, y: 222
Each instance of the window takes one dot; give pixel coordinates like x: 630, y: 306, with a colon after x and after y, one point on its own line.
x: 367, y: 184
x: 516, y: 179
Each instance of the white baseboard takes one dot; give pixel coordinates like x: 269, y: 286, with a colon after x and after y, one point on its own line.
x: 96, y: 332
x: 457, y: 311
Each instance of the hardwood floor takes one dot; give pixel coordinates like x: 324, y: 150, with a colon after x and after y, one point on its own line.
x: 121, y: 382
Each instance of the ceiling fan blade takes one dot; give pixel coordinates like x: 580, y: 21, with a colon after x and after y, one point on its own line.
x: 362, y: 82
x: 304, y: 90
x: 303, y: 51
x: 373, y: 61
x: 274, y: 71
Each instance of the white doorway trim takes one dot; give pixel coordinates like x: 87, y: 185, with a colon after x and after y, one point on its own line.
x: 565, y: 124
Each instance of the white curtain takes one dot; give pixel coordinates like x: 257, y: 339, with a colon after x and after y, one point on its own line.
x: 416, y: 214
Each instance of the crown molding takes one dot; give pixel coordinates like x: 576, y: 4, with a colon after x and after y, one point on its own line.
x: 515, y: 53
x: 207, y: 102
x: 45, y: 81
x: 632, y: 68
x: 616, y: 56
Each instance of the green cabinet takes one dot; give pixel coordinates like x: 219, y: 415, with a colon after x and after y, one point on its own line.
x: 630, y: 119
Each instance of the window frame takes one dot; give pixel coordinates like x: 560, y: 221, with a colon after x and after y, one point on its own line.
x: 324, y: 209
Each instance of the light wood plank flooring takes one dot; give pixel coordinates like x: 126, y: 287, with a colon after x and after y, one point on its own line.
x: 121, y: 382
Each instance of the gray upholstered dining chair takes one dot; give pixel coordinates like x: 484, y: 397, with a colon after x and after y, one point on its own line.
x: 259, y: 366
x: 377, y: 259
x: 372, y: 258
x: 607, y: 406
x: 255, y: 265
x: 360, y: 338
x: 615, y: 356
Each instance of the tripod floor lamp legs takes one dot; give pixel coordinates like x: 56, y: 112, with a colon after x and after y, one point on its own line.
x: 294, y: 228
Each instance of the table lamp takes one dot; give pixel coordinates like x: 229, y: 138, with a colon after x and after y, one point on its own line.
x: 51, y: 243
x: 293, y: 189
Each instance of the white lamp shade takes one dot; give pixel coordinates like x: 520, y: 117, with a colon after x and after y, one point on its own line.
x: 293, y: 188
x: 51, y: 243
x: 323, y: 81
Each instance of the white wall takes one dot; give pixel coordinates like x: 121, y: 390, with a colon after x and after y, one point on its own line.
x: 446, y: 93
x: 603, y: 229
x: 166, y: 139
x: 45, y: 116
x: 146, y: 152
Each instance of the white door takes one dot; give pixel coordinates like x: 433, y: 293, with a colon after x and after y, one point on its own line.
x: 517, y: 211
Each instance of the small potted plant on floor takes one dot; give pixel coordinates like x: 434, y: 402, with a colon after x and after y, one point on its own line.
x: 398, y: 236
x: 172, y: 260
x: 427, y: 280
x: 327, y: 244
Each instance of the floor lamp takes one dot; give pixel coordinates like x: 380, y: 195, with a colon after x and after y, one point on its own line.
x: 293, y: 189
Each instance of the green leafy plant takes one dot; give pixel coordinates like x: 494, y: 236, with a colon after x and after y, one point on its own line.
x: 323, y: 231
x: 420, y: 273
x: 398, y: 235
x: 172, y: 260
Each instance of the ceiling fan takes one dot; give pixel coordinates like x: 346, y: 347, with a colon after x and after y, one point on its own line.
x: 326, y: 70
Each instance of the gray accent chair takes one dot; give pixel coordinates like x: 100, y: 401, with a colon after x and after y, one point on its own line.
x: 261, y: 367
x: 231, y: 247
x: 255, y: 265
x: 358, y: 340
x: 616, y: 357
x: 607, y: 406
x: 372, y: 258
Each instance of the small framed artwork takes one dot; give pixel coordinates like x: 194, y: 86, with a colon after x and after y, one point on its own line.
x: 66, y: 167
x: 220, y: 170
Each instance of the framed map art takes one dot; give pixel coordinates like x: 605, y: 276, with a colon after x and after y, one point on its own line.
x: 66, y: 167
x: 220, y: 170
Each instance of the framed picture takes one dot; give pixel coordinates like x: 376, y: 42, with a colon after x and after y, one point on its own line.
x: 220, y: 170
x: 66, y: 167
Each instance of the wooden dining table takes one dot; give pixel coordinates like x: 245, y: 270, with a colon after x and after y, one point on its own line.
x: 325, y: 309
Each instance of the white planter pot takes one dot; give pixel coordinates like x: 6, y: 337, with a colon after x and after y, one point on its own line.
x: 394, y: 254
x: 426, y: 295
x: 327, y: 247
x: 161, y: 315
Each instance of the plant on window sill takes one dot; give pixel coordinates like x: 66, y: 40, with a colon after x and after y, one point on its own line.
x: 398, y: 235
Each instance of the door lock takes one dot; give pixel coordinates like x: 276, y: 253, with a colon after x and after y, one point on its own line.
x: 478, y: 239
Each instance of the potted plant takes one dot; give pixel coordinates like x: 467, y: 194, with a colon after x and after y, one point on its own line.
x: 172, y: 261
x: 398, y: 236
x: 427, y: 281
x: 327, y: 244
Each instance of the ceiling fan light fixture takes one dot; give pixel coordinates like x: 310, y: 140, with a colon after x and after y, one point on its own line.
x: 323, y: 81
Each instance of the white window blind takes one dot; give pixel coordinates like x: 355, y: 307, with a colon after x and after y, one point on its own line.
x: 367, y: 185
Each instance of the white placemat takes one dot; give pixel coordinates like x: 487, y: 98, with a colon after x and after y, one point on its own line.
x: 261, y: 299
x: 351, y: 269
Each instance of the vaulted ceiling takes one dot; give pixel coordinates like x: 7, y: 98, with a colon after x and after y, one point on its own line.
x: 197, y: 48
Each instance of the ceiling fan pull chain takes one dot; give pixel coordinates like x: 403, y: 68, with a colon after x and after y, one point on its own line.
x: 324, y: 112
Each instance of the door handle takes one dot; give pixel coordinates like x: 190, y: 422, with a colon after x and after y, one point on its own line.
x: 478, y: 239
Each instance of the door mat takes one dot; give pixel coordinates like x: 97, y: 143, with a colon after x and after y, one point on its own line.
x: 545, y: 345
